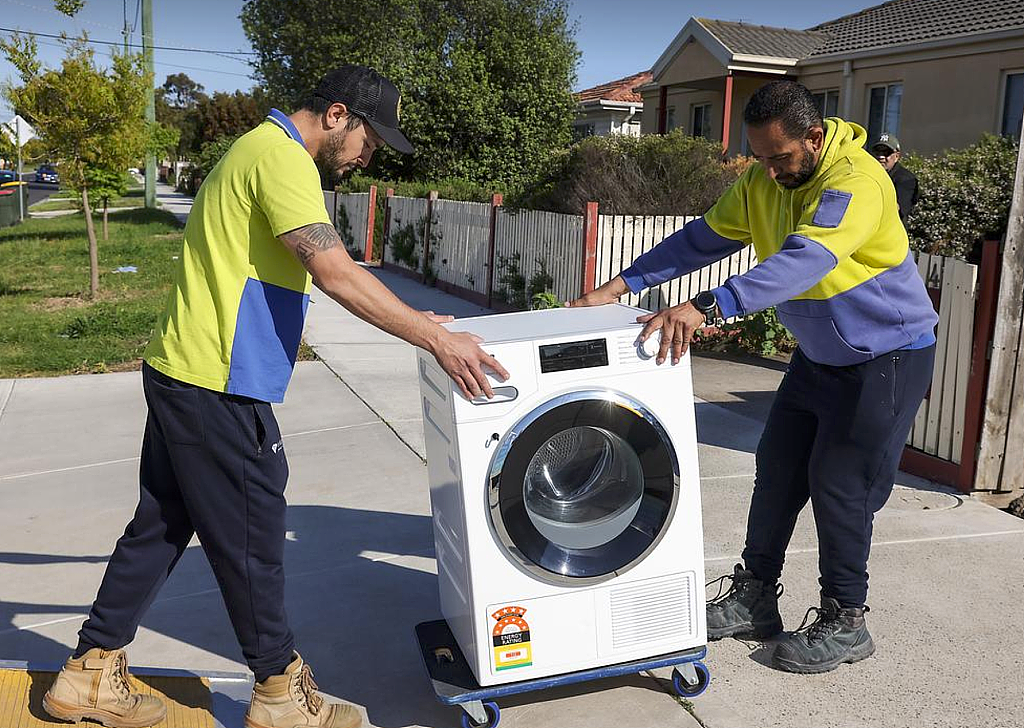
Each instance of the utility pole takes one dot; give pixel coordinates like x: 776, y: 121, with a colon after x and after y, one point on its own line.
x: 147, y: 50
x: 125, y: 32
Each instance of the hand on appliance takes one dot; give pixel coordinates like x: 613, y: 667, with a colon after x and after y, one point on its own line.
x: 608, y: 293
x: 677, y: 325
x: 460, y: 355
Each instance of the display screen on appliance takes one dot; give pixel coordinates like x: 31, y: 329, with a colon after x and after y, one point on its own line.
x: 573, y: 355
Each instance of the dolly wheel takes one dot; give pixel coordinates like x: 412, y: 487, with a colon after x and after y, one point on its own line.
x: 684, y: 689
x: 493, y: 717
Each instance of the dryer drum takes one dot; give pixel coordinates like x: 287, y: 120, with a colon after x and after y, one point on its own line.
x: 585, y: 490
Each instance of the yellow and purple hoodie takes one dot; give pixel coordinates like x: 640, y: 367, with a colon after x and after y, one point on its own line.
x: 834, y: 256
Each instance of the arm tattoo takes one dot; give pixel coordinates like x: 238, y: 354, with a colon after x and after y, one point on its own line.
x: 312, y: 239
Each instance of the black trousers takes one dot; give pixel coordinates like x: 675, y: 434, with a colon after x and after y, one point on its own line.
x: 834, y: 436
x: 213, y: 464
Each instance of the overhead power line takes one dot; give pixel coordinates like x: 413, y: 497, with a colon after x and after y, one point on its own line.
x: 178, y: 65
x: 131, y: 45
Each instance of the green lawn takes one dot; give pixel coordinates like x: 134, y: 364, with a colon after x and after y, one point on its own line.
x: 48, y: 325
x: 133, y: 198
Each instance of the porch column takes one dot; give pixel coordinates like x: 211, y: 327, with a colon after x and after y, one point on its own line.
x: 727, y: 113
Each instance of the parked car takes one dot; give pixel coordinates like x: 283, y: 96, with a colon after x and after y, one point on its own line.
x: 8, y: 175
x: 47, y: 173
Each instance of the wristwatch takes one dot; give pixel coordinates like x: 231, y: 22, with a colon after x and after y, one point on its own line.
x: 707, y: 304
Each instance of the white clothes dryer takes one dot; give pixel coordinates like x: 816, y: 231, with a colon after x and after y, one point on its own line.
x: 566, y: 510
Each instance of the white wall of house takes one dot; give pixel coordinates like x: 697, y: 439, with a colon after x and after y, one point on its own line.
x: 602, y: 122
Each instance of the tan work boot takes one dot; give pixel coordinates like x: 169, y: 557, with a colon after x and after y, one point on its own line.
x: 97, y: 686
x: 291, y: 700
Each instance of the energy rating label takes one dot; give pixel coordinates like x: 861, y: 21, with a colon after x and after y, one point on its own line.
x: 511, y: 636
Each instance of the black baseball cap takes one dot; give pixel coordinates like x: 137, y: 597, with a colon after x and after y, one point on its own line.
x: 886, y: 141
x: 369, y: 95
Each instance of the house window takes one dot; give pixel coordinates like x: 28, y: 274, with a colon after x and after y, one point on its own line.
x: 701, y: 118
x: 582, y: 131
x: 1013, y: 105
x: 884, y: 110
x: 670, y: 119
x: 827, y: 102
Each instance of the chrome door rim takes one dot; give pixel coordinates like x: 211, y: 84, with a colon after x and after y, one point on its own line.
x: 498, y: 527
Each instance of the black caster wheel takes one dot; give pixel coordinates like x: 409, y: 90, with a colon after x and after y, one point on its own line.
x: 493, y: 717
x: 684, y: 689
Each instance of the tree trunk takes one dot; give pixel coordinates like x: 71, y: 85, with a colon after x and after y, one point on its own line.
x: 94, y: 262
x: 105, y: 235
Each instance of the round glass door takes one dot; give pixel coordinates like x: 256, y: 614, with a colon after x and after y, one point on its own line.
x: 583, y: 487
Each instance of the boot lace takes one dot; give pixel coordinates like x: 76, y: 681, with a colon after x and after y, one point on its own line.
x: 308, y: 690
x: 826, y: 623
x: 735, y: 589
x: 122, y: 681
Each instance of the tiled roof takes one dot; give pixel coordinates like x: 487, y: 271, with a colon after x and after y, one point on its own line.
x: 762, y: 40
x: 902, y: 22
x: 621, y: 90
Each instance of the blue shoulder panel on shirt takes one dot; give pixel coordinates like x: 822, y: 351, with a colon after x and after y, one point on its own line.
x: 832, y: 208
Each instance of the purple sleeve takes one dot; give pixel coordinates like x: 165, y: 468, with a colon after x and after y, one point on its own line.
x: 693, y: 246
x: 800, y: 264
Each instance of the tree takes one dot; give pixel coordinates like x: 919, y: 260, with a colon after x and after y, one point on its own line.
x: 106, y: 185
x: 486, y: 84
x: 176, y: 103
x: 230, y: 115
x: 84, y: 115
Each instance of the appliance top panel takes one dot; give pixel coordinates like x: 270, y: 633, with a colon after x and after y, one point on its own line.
x: 550, y: 323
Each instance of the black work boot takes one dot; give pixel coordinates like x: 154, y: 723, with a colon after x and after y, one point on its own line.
x: 750, y: 607
x: 837, y: 635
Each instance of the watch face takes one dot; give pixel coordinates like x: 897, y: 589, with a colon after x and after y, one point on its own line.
x: 705, y: 300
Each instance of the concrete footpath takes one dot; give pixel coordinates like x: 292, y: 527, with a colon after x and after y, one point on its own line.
x: 947, y: 572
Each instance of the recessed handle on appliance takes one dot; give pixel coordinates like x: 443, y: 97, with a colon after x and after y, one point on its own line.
x: 501, y: 394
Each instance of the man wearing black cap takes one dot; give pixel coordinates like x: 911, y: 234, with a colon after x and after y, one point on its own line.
x: 213, y: 461
x: 886, y: 150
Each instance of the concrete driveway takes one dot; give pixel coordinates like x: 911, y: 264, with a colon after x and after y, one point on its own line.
x: 947, y: 572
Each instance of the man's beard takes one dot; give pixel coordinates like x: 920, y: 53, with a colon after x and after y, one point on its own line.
x: 328, y: 160
x: 805, y: 173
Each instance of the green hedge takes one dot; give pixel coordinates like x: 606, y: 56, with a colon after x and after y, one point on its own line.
x: 671, y: 174
x: 965, y: 195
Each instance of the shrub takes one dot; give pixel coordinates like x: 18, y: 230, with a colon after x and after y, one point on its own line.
x: 760, y: 334
x: 671, y: 174
x: 965, y: 195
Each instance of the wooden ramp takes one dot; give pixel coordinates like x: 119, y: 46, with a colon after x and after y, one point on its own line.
x: 189, y: 699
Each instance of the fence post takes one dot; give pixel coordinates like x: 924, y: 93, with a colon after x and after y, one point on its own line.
x: 984, y: 320
x: 496, y: 201
x: 387, y: 222
x: 589, y: 249
x: 371, y: 212
x: 993, y: 465
x: 431, y: 198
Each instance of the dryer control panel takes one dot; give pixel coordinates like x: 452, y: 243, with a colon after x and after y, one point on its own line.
x: 569, y: 355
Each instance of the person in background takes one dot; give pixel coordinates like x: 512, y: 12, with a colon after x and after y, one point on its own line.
x: 886, y: 150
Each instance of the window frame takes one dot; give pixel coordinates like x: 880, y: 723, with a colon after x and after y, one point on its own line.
x: 706, y: 119
x: 1004, y: 86
x: 824, y: 104
x: 886, y: 85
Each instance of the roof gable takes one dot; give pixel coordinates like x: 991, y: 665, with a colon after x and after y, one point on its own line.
x: 763, y: 40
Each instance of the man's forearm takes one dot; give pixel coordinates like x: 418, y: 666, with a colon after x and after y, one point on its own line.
x: 360, y: 292
x: 321, y: 251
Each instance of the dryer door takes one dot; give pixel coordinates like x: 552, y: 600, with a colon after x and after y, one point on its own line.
x: 583, y: 487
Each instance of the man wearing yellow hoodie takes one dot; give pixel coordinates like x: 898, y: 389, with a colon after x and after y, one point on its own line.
x: 835, y: 261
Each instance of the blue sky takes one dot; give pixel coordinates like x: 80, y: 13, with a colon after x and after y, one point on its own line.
x: 616, y: 38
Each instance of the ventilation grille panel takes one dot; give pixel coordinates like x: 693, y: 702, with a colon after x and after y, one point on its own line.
x: 652, y: 611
